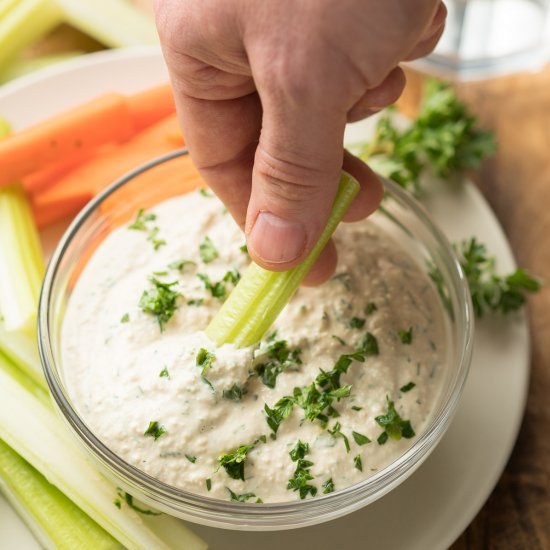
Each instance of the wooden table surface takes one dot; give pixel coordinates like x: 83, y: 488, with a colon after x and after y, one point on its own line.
x: 516, y: 182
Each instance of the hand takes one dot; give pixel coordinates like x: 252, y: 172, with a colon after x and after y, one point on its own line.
x: 264, y: 89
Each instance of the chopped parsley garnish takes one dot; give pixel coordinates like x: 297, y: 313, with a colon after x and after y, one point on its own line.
x: 204, y: 193
x: 155, y: 429
x: 208, y: 482
x: 299, y: 451
x: 140, y: 223
x: 394, y: 426
x: 344, y: 279
x: 180, y: 265
x: 360, y: 439
x: 370, y: 308
x: 244, y: 249
x: 244, y: 497
x: 164, y: 373
x: 218, y: 289
x: 407, y: 387
x: 302, y: 475
x: 356, y: 408
x: 156, y: 242
x: 356, y: 322
x: 125, y: 318
x: 337, y: 432
x: 204, y: 360
x: 279, y: 358
x: 233, y: 463
x: 129, y: 499
x: 207, y: 250
x: 406, y: 336
x: 197, y: 302
x: 160, y: 301
x: 235, y: 393
x: 358, y: 463
x: 339, y: 340
x: 368, y: 345
x: 191, y: 458
x: 328, y: 486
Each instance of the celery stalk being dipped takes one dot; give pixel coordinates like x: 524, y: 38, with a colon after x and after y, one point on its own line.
x: 261, y: 295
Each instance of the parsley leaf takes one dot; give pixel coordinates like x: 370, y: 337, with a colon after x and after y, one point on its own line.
x: 160, y: 301
x: 164, y: 373
x: 368, y: 345
x: 180, y: 265
x: 207, y: 250
x: 406, y: 336
x: 356, y: 322
x: 235, y: 393
x: 279, y: 358
x: 191, y: 458
x: 218, y: 289
x: 125, y: 318
x: 208, y: 483
x: 129, y: 499
x: 233, y: 463
x: 370, y: 308
x: 394, y: 426
x: 337, y: 432
x: 241, y: 498
x: 358, y: 462
x: 140, y: 223
x: 204, y: 360
x: 302, y: 474
x: 360, y: 439
x: 155, y: 429
x: 328, y: 486
x: 407, y: 387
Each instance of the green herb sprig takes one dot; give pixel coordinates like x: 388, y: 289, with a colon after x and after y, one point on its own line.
x: 160, y: 301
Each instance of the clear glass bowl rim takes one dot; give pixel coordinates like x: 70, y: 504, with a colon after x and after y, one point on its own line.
x: 234, y: 515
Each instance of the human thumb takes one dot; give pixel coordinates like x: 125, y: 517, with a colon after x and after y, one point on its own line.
x: 295, y: 178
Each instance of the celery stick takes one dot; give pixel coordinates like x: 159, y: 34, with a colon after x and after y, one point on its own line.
x: 23, y: 351
x: 38, y: 390
x: 53, y: 518
x: 261, y: 295
x: 21, y: 262
x: 20, y: 67
x: 33, y: 430
x: 115, y: 23
x: 24, y: 21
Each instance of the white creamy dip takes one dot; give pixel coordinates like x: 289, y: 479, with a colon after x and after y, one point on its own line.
x: 140, y: 390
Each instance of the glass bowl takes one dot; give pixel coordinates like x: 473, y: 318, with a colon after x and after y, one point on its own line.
x: 160, y: 179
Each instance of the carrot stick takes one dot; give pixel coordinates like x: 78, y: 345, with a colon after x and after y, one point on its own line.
x: 110, y: 118
x: 150, y: 106
x: 86, y: 180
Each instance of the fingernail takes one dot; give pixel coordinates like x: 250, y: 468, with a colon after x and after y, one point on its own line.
x: 275, y: 240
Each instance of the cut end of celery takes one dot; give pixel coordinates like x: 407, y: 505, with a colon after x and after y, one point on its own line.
x: 261, y: 295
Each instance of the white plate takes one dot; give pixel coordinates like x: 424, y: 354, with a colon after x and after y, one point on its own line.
x: 431, y: 508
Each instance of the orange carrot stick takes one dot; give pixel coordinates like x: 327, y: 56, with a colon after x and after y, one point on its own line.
x: 110, y: 118
x: 86, y: 180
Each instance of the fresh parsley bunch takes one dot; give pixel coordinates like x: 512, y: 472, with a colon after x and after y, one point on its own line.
x: 442, y: 140
x: 490, y: 291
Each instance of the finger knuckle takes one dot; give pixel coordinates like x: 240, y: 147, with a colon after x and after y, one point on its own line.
x: 289, y: 180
